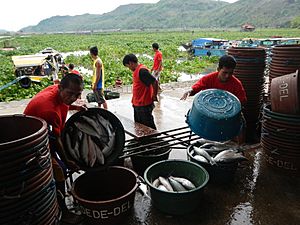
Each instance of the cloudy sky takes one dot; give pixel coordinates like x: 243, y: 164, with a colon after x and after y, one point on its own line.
x: 16, y: 14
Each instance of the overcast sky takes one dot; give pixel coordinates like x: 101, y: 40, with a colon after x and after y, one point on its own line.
x: 16, y: 14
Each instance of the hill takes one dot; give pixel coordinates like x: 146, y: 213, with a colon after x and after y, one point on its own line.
x: 178, y: 14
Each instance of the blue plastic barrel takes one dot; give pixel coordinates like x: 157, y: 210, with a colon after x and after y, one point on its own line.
x: 215, y: 115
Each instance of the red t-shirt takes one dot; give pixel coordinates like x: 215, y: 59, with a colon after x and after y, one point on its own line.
x: 233, y: 85
x: 157, y: 60
x: 48, y: 106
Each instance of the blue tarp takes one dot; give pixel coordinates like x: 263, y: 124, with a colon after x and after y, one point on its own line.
x: 205, y: 41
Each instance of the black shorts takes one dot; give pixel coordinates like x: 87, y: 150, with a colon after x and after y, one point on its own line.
x: 143, y: 115
x: 99, y: 95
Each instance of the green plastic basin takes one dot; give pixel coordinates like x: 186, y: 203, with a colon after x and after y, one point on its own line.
x: 176, y: 203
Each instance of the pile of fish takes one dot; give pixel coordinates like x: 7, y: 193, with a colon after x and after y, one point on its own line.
x: 217, y: 152
x: 90, y: 140
x: 173, y: 184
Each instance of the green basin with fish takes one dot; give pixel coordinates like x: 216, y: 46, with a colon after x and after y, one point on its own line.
x: 176, y: 203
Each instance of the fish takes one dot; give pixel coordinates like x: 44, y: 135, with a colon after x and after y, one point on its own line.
x: 184, y: 182
x: 99, y: 130
x: 201, y: 158
x: 105, y: 124
x: 165, y: 183
x: 100, y: 159
x: 92, y: 156
x: 203, y: 153
x: 229, y: 156
x: 156, y: 182
x: 84, y: 150
x: 73, y: 153
x: 108, y: 149
x: 162, y: 188
x: 85, y: 128
x: 177, y: 186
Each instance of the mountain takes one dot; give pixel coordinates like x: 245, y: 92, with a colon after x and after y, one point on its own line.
x: 178, y: 14
x: 261, y: 13
x: 2, y: 31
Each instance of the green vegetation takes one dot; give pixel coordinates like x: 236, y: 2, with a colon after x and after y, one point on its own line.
x: 295, y: 23
x: 171, y: 14
x: 113, y: 47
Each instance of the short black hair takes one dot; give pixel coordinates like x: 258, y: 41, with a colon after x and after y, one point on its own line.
x: 71, y: 78
x: 155, y: 45
x: 129, y: 58
x: 94, y: 50
x: 227, y: 61
x: 71, y: 66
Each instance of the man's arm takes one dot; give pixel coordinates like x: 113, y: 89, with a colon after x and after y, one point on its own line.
x: 146, y: 77
x: 198, y: 86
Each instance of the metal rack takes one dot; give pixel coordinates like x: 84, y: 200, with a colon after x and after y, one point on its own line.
x: 179, y: 138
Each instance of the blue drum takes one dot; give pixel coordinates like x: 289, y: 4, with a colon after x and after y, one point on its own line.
x: 215, y: 115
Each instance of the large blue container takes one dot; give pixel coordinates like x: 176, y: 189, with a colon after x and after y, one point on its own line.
x: 215, y: 115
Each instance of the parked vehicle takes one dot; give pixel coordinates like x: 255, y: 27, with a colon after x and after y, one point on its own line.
x: 45, y: 64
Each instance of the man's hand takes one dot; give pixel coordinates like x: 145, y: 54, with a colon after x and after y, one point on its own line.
x: 185, y: 95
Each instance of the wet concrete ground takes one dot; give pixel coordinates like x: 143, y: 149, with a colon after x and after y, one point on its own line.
x: 257, y: 195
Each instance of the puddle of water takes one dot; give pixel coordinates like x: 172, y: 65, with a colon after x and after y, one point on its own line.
x: 187, y: 77
x: 84, y: 71
x: 181, y: 49
x: 145, y: 56
x: 75, y: 53
x: 180, y: 60
x: 5, y: 37
x: 242, y: 214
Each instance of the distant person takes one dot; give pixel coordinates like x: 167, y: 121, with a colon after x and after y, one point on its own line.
x: 72, y: 69
x: 98, y: 78
x: 222, y: 79
x: 208, y: 53
x: 157, y: 66
x: 118, y: 82
x: 143, y: 91
x: 63, y: 69
x: 38, y: 71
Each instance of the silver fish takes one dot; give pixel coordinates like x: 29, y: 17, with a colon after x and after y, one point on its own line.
x: 74, y: 154
x: 203, y: 153
x: 229, y: 156
x: 99, y: 130
x: 84, y: 150
x: 178, y: 187
x: 185, y: 182
x: 165, y: 183
x: 201, y: 158
x: 92, y: 157
x: 107, y: 150
x: 156, y: 182
x: 162, y: 188
x: 85, y: 128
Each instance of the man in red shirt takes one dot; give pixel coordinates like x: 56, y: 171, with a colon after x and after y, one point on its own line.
x: 157, y: 65
x: 52, y: 105
x: 222, y: 79
x: 143, y: 92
